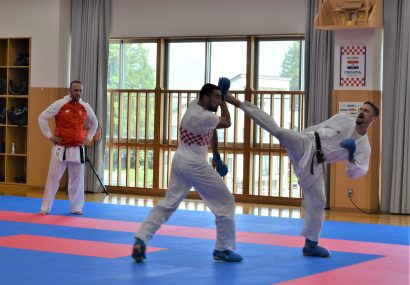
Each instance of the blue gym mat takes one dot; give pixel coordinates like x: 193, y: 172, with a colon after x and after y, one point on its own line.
x: 184, y: 259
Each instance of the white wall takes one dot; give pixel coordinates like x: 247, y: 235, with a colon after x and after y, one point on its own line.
x: 372, y: 40
x: 47, y: 23
x: 168, y: 18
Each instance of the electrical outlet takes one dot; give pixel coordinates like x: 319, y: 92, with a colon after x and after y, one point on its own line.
x: 350, y: 192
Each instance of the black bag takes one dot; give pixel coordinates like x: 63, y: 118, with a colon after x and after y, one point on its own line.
x: 22, y: 59
x: 2, y: 114
x: 18, y: 116
x: 20, y: 179
x: 18, y: 90
x: 3, y: 85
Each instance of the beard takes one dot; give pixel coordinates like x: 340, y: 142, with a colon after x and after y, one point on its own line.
x: 212, y: 108
x: 75, y: 98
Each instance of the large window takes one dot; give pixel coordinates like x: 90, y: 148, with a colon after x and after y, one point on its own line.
x: 143, y: 118
x: 132, y: 65
x: 280, y: 65
x: 192, y: 64
x: 131, y: 109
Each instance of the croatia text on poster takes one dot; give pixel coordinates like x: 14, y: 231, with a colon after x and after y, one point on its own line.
x: 353, y: 66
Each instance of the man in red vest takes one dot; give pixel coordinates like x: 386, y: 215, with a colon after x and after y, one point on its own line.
x: 71, y: 115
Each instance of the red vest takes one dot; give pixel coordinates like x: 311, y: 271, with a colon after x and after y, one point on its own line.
x: 70, y: 124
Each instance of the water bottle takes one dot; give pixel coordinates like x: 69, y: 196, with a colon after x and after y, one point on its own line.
x: 13, y: 150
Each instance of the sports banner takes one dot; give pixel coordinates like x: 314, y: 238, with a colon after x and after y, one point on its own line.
x: 353, y: 66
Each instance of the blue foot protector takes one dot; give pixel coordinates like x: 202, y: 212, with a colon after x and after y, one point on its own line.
x: 138, y: 251
x: 227, y: 255
x: 312, y: 249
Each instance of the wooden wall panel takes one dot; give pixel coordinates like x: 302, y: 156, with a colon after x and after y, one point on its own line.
x: 39, y: 148
x: 365, y: 189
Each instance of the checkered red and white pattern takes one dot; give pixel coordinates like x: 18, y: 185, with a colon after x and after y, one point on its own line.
x: 190, y: 138
x: 353, y: 50
x: 352, y: 82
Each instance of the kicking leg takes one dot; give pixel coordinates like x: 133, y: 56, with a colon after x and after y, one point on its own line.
x: 292, y: 140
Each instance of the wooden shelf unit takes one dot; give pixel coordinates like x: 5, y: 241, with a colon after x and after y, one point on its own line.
x: 14, y: 92
x: 333, y: 16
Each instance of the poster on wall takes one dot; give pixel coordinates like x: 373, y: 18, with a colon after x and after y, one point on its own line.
x: 352, y: 66
x: 350, y: 108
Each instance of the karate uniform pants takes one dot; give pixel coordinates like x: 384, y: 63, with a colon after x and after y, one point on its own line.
x: 189, y: 171
x: 295, y: 143
x: 75, y: 184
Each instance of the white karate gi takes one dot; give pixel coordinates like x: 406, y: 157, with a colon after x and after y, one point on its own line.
x: 190, y: 168
x: 71, y: 161
x: 301, y: 147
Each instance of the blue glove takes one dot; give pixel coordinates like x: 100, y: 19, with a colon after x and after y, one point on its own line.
x: 350, y: 145
x: 221, y: 167
x: 224, y: 84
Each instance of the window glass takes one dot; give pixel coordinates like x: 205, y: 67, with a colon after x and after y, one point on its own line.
x: 186, y: 65
x: 139, y: 69
x: 279, y: 65
x: 228, y: 59
x: 114, y: 65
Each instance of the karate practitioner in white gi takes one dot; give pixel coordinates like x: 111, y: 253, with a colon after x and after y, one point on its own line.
x: 70, y: 135
x: 341, y: 138
x: 190, y: 168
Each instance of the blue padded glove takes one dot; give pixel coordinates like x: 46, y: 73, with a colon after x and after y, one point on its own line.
x: 221, y: 167
x: 224, y: 84
x: 350, y: 145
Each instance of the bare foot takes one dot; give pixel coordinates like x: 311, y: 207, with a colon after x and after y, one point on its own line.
x: 232, y: 100
x: 77, y: 212
x: 41, y: 212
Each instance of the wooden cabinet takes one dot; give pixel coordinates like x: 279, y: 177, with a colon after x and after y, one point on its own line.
x: 349, y: 14
x: 14, y: 94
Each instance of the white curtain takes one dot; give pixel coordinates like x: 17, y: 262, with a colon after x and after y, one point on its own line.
x: 90, y: 28
x: 319, y: 45
x: 395, y: 191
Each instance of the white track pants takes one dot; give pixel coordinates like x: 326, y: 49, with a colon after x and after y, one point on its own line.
x: 75, y: 184
x: 295, y: 144
x: 188, y: 171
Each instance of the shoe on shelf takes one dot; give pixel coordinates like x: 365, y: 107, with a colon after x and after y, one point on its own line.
x: 227, y: 256
x: 138, y: 250
x: 77, y: 212
x: 313, y: 249
x: 42, y: 212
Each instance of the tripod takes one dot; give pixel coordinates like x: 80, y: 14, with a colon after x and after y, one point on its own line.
x: 95, y: 141
x: 95, y: 172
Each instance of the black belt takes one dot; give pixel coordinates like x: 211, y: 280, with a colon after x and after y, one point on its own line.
x: 320, y: 157
x: 81, y: 154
